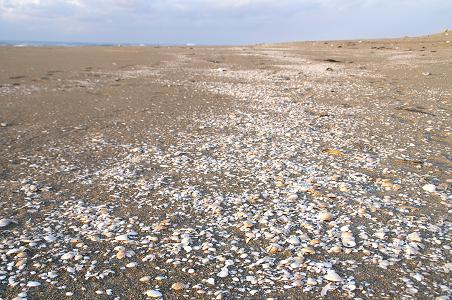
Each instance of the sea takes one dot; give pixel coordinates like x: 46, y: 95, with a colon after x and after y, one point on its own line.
x: 76, y: 44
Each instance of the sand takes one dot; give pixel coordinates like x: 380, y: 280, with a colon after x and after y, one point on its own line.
x: 213, y: 168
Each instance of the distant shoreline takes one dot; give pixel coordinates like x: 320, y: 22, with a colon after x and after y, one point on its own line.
x: 79, y: 44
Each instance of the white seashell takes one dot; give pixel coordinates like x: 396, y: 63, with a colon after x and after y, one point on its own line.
x: 223, y: 273
x: 145, y: 279
x: 122, y: 238
x: 50, y: 238
x: 332, y: 276
x: 154, y: 294
x: 325, y: 216
x: 384, y: 264
x: 380, y: 234
x: 33, y: 283
x: 292, y: 197
x: 67, y: 256
x: 335, y: 249
x: 411, y: 250
x: 326, y: 289
x: 414, y: 237
x: 13, y: 251
x: 429, y: 188
x: 294, y: 240
x: 178, y: 286
x: 4, y: 222
x: 347, y: 239
x: 211, y: 281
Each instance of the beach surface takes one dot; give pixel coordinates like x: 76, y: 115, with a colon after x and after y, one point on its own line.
x: 283, y: 171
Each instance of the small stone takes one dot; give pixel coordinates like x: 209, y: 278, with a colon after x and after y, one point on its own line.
x: 132, y: 265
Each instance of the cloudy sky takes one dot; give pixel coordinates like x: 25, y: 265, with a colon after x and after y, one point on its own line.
x: 218, y: 21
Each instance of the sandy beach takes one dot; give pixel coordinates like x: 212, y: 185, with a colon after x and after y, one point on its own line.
x: 273, y: 171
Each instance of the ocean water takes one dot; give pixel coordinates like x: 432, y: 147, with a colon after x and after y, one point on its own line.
x: 47, y: 43
x: 73, y: 44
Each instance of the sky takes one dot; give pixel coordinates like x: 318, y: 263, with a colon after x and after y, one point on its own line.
x: 219, y: 22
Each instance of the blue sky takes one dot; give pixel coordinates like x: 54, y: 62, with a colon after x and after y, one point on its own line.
x: 218, y: 21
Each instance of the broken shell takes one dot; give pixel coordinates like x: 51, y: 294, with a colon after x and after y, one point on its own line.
x: 248, y: 224
x: 274, y: 248
x: 429, y: 188
x: 308, y: 250
x: 335, y: 249
x: 121, y: 254
x: 67, y: 256
x: 332, y: 276
x: 414, y: 237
